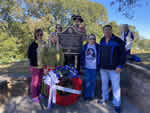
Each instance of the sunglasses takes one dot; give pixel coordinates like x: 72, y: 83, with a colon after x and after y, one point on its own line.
x: 107, y: 30
x: 40, y: 34
x: 58, y: 27
x: 91, y: 38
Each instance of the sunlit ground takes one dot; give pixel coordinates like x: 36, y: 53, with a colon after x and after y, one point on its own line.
x: 23, y: 66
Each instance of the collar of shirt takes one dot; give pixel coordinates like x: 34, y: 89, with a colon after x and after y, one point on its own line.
x: 110, y: 38
x: 126, y: 34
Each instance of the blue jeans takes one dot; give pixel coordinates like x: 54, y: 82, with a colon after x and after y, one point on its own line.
x: 90, y: 83
x: 115, y: 80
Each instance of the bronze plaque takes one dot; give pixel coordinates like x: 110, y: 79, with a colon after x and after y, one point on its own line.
x: 71, y: 41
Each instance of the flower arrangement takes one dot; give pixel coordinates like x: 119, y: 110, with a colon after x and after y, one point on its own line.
x: 65, y: 75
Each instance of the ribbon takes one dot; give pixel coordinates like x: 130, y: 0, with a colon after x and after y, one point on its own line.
x: 51, y: 79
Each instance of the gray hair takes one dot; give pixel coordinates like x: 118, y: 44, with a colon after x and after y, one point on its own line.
x: 92, y: 35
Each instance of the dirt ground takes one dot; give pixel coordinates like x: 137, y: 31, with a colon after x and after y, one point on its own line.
x: 24, y: 104
x: 16, y: 97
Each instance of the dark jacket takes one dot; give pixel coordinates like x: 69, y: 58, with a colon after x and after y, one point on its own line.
x: 32, y: 54
x: 112, y: 55
x: 82, y: 56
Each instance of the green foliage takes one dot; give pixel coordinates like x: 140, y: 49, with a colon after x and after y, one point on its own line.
x: 143, y: 44
x: 18, y: 22
x: 8, y: 48
x: 19, y: 19
x: 116, y: 28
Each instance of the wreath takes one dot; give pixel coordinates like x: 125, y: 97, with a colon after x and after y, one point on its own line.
x: 68, y: 77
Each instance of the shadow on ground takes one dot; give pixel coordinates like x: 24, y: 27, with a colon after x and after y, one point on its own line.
x: 15, y: 88
x: 16, y: 98
x: 25, y: 105
x: 15, y: 68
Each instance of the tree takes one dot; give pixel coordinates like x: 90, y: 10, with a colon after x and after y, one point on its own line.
x: 143, y: 44
x: 115, y: 28
x: 126, y: 7
x: 19, y: 19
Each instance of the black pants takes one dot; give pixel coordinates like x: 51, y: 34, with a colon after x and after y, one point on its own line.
x: 70, y: 59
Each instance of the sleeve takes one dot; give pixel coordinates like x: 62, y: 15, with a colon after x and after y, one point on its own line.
x: 60, y: 58
x: 132, y: 36
x: 129, y: 42
x: 101, y: 41
x: 98, y: 57
x: 122, y: 36
x: 82, y: 57
x: 99, y: 53
x: 29, y: 53
x: 122, y: 54
x: 43, y: 56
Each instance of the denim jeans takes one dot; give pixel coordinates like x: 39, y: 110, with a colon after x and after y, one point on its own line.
x: 115, y: 80
x: 90, y: 83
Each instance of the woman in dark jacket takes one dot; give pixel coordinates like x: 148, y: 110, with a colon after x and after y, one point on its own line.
x: 89, y: 62
x: 35, y: 64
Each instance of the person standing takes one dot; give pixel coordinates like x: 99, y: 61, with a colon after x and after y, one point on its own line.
x: 128, y: 37
x: 89, y: 62
x: 35, y: 64
x: 78, y: 26
x: 58, y: 29
x: 112, y: 58
x: 52, y: 57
